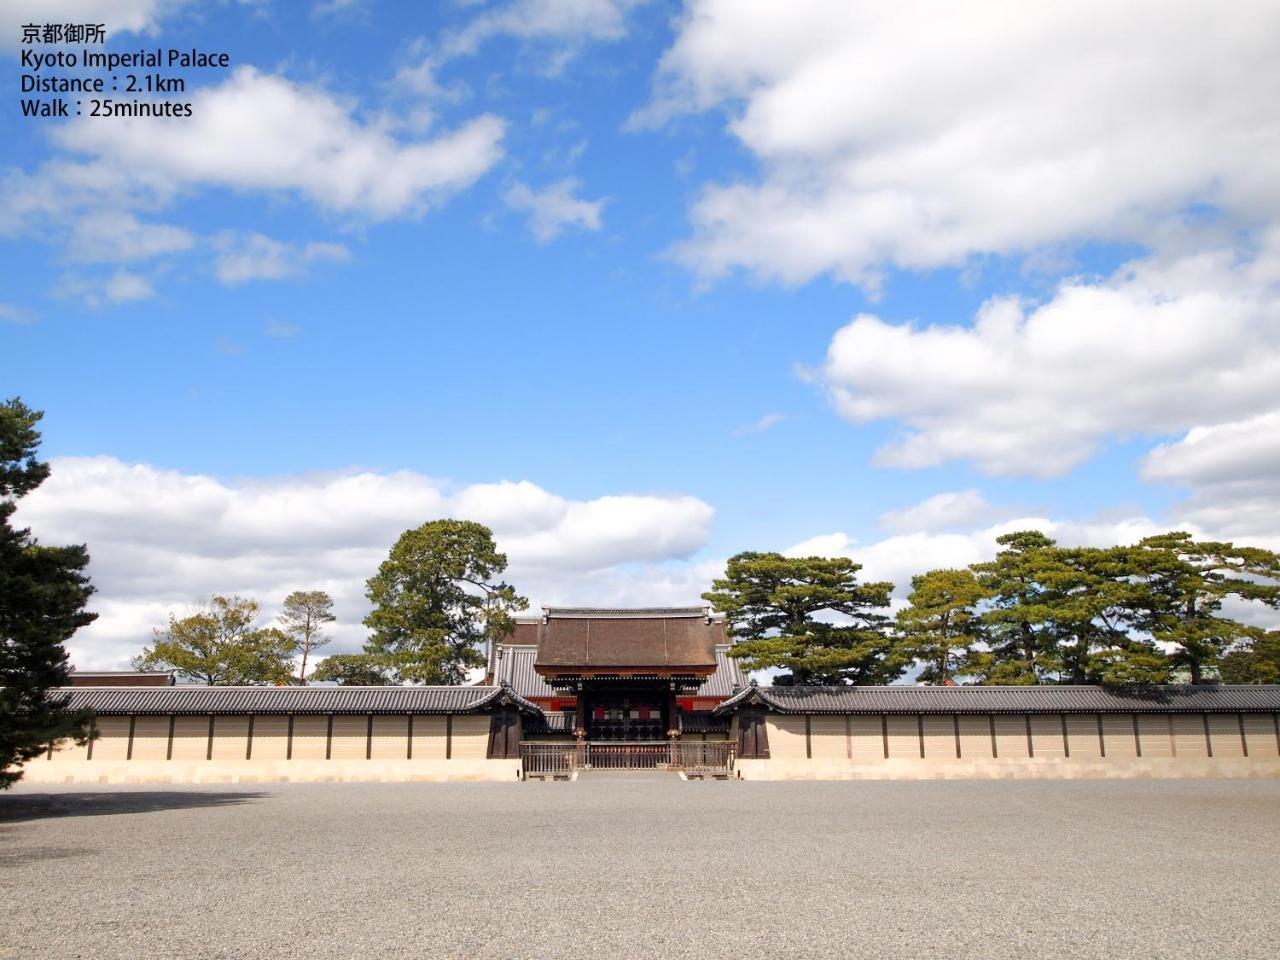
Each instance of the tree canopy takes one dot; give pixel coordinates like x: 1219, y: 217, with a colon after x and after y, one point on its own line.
x: 302, y: 620
x: 809, y: 616
x: 43, y: 592
x: 1124, y: 615
x: 437, y: 599
x: 220, y: 646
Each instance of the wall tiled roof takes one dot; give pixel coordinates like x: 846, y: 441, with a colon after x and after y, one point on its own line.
x: 227, y: 700
x: 1037, y: 699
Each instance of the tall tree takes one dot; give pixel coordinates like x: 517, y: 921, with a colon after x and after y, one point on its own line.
x: 436, y: 600
x: 43, y: 592
x: 809, y: 616
x: 1188, y: 582
x: 220, y: 646
x: 303, y: 618
x: 1019, y: 617
x: 941, y: 625
x: 1095, y: 598
x: 1257, y: 661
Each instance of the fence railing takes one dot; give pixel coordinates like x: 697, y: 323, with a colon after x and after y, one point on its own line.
x: 694, y: 758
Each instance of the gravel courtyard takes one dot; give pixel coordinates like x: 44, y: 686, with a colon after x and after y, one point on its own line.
x: 644, y: 868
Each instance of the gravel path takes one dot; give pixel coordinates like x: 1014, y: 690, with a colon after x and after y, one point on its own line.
x: 639, y: 868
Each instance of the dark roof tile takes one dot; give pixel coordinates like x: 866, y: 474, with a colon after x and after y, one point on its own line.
x: 1037, y: 699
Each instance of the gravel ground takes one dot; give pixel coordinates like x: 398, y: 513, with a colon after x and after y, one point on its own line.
x: 644, y: 868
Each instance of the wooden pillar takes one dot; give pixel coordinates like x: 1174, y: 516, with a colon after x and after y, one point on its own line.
x: 1208, y: 741
x: 328, y: 739
x: 1031, y: 747
x: 208, y: 752
x: 448, y: 736
x: 848, y: 737
x: 168, y: 751
x: 248, y: 747
x: 1066, y: 740
x: 133, y: 720
x: 955, y: 723
x: 93, y: 733
x: 1137, y: 740
x: 368, y: 738
x: 408, y: 754
x: 1102, y: 740
x: 1244, y: 741
x: 808, y: 736
x: 288, y: 744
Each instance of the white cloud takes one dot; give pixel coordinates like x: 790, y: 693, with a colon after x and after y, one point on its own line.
x: 253, y: 256
x: 160, y: 540
x: 942, y: 511
x: 566, y: 23
x: 1159, y: 348
x: 110, y: 236
x: 124, y: 286
x: 917, y: 135
x: 554, y: 208
x: 900, y: 557
x: 1233, y: 472
x: 1245, y: 451
x: 766, y: 422
x: 305, y: 141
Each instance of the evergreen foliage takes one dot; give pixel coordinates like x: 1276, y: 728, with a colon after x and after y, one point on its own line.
x: 436, y: 601
x: 43, y: 592
x: 809, y: 616
x: 303, y: 619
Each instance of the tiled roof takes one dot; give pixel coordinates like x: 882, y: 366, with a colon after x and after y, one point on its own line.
x: 602, y: 639
x: 225, y: 700
x: 728, y: 677
x: 514, y: 666
x: 1037, y: 699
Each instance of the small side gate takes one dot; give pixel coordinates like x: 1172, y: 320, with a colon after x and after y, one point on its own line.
x: 711, y: 758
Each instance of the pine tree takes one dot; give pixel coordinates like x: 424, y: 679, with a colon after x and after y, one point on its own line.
x: 809, y: 616
x: 43, y: 592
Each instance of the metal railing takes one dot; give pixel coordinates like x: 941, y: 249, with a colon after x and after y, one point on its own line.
x: 710, y: 758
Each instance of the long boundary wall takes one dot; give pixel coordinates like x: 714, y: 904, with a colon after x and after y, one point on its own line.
x: 276, y: 748
x: 1032, y: 745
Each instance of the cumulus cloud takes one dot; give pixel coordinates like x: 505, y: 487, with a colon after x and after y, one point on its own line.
x: 942, y: 511
x: 161, y: 540
x: 899, y: 557
x: 305, y: 142
x: 253, y: 256
x: 911, y: 135
x: 554, y: 208
x: 1233, y: 473
x: 1161, y: 347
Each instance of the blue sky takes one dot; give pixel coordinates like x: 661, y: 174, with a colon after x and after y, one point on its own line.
x: 634, y: 291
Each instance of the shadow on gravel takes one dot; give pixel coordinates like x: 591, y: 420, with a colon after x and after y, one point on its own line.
x: 40, y: 806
